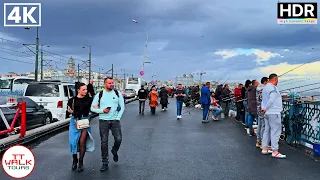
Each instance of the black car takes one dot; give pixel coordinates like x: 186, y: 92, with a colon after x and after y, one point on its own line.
x: 36, y: 115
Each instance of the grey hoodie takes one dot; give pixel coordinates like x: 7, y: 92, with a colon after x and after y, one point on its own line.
x: 271, y: 99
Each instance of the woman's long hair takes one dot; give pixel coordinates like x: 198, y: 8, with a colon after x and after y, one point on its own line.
x: 247, y: 84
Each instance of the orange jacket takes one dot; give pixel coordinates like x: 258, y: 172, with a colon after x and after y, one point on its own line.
x: 153, y: 99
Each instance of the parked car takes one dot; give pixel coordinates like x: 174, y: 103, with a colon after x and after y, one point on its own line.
x: 37, y: 115
x: 129, y: 93
x: 53, y: 95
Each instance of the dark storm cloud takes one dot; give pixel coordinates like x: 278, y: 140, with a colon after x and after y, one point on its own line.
x: 181, y: 33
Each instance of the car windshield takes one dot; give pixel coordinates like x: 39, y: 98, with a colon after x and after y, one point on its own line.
x: 129, y: 91
x: 42, y: 90
x: 5, y: 83
x: 133, y: 80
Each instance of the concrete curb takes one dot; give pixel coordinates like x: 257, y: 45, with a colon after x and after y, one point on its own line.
x: 34, y: 134
x: 130, y: 100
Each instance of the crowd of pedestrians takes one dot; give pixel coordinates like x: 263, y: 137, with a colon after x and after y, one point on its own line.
x: 255, y: 102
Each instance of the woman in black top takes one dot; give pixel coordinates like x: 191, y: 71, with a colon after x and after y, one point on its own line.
x: 79, y: 107
x: 244, y: 92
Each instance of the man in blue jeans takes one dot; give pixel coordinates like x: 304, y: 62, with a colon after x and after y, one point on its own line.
x: 252, y: 105
x: 205, y: 100
x: 179, y: 95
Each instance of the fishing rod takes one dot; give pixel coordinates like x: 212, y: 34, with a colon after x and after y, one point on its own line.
x: 309, y: 89
x: 297, y: 82
x: 287, y: 80
x: 226, y: 80
x: 232, y: 97
x: 297, y: 67
x: 220, y: 79
x: 300, y: 86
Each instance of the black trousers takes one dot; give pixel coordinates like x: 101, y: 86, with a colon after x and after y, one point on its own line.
x: 104, y: 127
x: 239, y: 108
x: 164, y: 106
x: 153, y: 110
x: 141, y: 106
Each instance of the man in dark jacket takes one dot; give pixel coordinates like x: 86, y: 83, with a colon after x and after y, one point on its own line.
x: 252, y: 105
x: 226, y: 99
x: 91, y: 89
x: 244, y: 93
x: 142, y: 96
x: 164, y: 98
x: 218, y: 92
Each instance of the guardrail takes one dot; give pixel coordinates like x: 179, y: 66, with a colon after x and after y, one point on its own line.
x: 23, y: 120
x: 34, y: 134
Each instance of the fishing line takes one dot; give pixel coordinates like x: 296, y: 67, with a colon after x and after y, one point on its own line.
x: 297, y: 67
x: 300, y: 86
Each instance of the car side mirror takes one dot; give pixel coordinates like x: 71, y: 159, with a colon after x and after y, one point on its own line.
x: 40, y: 107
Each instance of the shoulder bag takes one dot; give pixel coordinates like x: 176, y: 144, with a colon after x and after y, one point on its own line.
x: 81, y: 123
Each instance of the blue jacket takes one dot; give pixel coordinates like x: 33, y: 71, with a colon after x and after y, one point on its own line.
x: 205, y: 95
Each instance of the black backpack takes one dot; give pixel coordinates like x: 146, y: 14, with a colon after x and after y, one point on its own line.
x: 101, y: 93
x: 100, y: 96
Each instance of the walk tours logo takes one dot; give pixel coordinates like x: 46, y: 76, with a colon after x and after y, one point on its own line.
x: 18, y: 161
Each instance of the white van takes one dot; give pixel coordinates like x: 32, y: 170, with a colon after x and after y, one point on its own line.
x: 14, y: 86
x: 53, y: 95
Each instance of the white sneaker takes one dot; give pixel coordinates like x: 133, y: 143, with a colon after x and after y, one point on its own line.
x: 278, y: 155
x: 162, y: 109
x: 266, y: 151
x: 180, y: 117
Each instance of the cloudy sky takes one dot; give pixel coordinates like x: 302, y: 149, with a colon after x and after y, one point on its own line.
x: 230, y: 38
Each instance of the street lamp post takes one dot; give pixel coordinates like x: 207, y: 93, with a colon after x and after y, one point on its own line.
x: 37, y: 54
x: 89, y: 60
x: 145, y: 48
x: 41, y: 62
x: 124, y: 78
x: 99, y: 78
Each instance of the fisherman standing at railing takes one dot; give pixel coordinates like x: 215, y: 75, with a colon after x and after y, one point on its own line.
x: 238, y: 101
x: 261, y: 122
x: 272, y: 106
x: 226, y: 99
x: 252, y: 105
x: 244, y: 93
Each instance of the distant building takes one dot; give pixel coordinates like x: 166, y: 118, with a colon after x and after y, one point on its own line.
x: 185, y: 80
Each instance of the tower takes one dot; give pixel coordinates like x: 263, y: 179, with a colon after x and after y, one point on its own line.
x: 70, y: 71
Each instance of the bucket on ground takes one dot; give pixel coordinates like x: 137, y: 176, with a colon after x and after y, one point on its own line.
x: 316, y: 148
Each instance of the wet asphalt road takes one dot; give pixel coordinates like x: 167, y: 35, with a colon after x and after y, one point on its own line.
x: 161, y: 148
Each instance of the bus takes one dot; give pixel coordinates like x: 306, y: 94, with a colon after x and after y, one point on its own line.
x: 14, y: 86
x: 135, y: 83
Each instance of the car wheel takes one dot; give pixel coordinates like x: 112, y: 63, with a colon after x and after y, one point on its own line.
x: 47, y: 120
